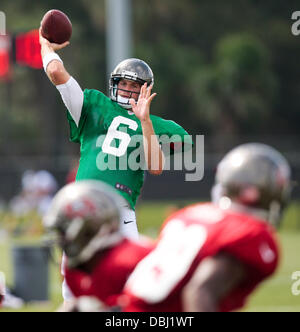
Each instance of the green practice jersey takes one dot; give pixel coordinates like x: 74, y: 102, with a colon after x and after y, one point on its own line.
x: 107, y: 135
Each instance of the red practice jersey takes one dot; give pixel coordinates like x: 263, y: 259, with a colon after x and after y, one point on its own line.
x: 188, y: 237
x: 110, y: 274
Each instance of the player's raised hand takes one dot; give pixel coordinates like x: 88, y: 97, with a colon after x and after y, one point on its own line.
x: 141, y: 108
x: 53, y: 46
x: 55, y: 70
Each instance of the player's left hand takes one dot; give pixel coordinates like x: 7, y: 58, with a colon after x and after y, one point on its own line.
x: 141, y: 108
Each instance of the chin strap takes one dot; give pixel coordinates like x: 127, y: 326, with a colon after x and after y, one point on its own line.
x: 124, y: 102
x: 102, y: 240
x: 272, y: 215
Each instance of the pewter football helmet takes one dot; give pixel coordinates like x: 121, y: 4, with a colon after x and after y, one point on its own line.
x: 86, y: 217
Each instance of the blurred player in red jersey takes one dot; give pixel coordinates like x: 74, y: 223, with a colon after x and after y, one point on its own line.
x: 86, y: 218
x: 210, y: 257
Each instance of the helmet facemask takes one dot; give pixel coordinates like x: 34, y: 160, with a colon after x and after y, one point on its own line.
x: 272, y: 212
x: 253, y: 178
x: 80, y: 243
x: 115, y: 96
x: 134, y: 70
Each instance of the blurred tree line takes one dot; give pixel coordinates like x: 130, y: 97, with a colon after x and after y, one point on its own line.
x: 226, y: 69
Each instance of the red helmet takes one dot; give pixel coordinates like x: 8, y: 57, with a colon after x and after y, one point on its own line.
x: 86, y: 217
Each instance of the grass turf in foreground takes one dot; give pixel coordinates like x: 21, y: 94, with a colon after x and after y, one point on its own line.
x: 275, y: 294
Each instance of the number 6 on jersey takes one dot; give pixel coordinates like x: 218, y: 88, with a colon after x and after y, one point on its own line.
x: 113, y: 134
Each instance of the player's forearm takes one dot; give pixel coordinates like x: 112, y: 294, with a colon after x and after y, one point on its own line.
x: 195, y: 299
x: 55, y: 69
x: 46, y: 49
x: 70, y: 91
x: 57, y: 73
x: 153, y: 154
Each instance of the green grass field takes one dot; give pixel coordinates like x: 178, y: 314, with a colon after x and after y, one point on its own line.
x: 273, y: 295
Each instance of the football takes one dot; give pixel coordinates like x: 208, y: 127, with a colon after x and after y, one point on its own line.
x: 56, y: 26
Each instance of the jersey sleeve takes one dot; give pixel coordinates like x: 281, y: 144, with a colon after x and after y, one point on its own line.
x: 172, y: 137
x: 258, y: 251
x: 90, y: 99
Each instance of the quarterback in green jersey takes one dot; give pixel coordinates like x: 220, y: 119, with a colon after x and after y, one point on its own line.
x: 107, y: 128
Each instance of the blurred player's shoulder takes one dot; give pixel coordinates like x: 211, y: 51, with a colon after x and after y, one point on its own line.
x: 130, y: 252
x: 199, y: 212
x: 230, y: 230
x: 209, y: 213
